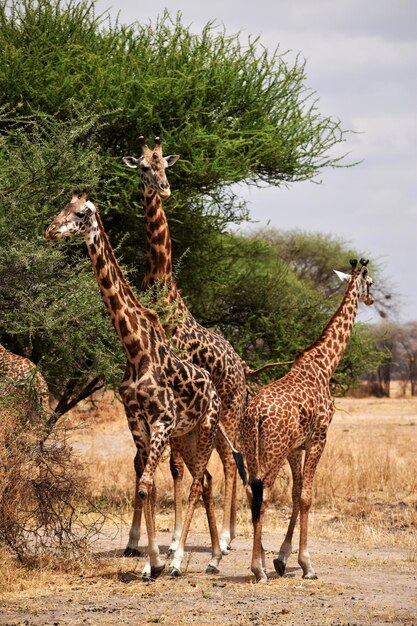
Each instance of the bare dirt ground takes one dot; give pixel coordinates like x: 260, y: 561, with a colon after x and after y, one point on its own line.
x: 360, y: 581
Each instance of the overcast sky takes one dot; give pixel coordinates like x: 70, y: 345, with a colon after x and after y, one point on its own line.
x: 362, y: 62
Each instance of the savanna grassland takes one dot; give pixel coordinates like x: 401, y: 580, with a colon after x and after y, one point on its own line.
x: 363, y: 537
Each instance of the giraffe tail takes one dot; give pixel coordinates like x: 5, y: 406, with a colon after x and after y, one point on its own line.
x: 257, y: 488
x: 240, y: 464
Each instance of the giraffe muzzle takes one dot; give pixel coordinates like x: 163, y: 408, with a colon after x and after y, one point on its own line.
x: 51, y: 233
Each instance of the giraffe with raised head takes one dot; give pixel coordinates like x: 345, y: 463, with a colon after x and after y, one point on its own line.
x: 164, y: 396
x: 289, y: 418
x: 19, y: 372
x: 203, y: 347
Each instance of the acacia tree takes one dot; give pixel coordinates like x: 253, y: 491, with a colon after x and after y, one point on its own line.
x: 233, y: 111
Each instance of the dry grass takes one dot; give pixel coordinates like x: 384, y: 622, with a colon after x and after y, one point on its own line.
x: 365, y: 485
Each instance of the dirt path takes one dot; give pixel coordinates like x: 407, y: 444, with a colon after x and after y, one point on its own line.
x: 356, y: 586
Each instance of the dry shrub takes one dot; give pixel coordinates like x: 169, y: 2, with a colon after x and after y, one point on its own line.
x: 42, y: 508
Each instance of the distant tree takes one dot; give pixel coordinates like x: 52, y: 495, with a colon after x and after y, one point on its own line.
x: 269, y: 313
x: 314, y: 256
x: 407, y: 349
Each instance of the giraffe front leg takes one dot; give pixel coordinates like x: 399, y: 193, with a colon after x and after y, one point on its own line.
x: 229, y: 506
x: 216, y: 552
x: 140, y: 434
x: 132, y: 549
x: 154, y: 565
x: 146, y: 491
x: 175, y: 565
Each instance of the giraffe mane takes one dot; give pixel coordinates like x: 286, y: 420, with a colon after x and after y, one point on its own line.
x: 317, y: 342
x: 151, y: 315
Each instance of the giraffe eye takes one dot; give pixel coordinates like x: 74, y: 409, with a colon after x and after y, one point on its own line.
x: 79, y: 213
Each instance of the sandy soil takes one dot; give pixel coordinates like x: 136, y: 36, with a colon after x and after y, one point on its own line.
x: 358, y: 584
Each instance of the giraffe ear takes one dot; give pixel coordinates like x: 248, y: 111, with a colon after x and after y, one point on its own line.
x: 341, y: 275
x: 131, y: 161
x: 171, y: 159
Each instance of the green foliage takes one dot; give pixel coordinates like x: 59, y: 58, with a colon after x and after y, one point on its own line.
x: 233, y: 111
x: 76, y: 91
x: 50, y: 308
x: 270, y: 313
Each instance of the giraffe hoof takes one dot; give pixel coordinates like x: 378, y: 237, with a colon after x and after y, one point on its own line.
x: 212, y: 569
x: 279, y: 567
x: 312, y: 576
x: 157, y: 571
x: 173, y: 572
x: 261, y: 580
x: 153, y: 574
x: 130, y: 552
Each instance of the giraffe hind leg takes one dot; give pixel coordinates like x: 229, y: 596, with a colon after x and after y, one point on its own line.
x: 176, y: 465
x: 295, y: 460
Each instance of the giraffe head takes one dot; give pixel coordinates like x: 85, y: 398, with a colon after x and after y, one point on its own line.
x: 361, y: 276
x: 153, y: 164
x: 74, y: 219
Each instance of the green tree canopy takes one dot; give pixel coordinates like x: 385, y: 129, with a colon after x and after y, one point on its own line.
x: 76, y: 91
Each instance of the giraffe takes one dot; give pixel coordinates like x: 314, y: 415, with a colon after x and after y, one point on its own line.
x: 164, y: 396
x: 292, y: 415
x: 203, y: 347
x: 18, y: 371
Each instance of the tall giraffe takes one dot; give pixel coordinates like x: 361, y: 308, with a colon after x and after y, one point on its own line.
x: 292, y: 415
x: 164, y: 397
x: 202, y: 346
x: 18, y: 371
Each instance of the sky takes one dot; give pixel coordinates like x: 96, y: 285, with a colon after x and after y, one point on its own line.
x: 361, y: 60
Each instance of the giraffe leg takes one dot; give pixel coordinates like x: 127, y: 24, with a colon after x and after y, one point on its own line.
x: 294, y: 459
x: 146, y: 490
x: 230, y: 417
x: 258, y: 507
x: 216, y: 552
x: 229, y: 503
x: 134, y: 533
x: 197, y: 457
x: 176, y: 465
x: 233, y: 514
x: 313, y: 454
x: 154, y: 564
x: 140, y: 433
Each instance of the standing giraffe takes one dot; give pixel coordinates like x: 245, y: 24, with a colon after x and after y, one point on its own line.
x: 292, y: 415
x: 164, y: 397
x: 202, y: 347
x: 17, y: 371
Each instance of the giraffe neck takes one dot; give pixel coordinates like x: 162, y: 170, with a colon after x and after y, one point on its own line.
x: 159, y: 260
x: 132, y: 321
x: 328, y: 350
